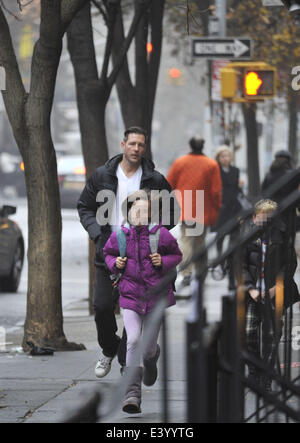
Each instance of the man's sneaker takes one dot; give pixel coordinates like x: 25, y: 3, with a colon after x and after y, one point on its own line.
x: 103, y: 366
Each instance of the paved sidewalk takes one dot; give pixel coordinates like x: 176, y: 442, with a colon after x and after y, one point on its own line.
x: 46, y: 389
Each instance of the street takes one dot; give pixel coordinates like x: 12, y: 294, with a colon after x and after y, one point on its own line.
x: 74, y: 267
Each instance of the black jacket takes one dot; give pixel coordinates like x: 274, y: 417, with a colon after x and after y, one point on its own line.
x: 104, y: 178
x: 278, y: 260
x: 230, y: 190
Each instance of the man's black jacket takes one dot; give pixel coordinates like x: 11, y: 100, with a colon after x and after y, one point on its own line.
x: 104, y: 178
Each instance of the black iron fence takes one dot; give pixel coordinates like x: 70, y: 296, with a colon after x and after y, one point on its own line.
x: 219, y: 386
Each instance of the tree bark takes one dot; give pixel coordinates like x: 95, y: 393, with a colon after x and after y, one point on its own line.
x: 137, y: 101
x: 249, y: 112
x: 29, y: 115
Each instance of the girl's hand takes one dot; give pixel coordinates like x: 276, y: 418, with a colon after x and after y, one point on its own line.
x: 156, y: 259
x: 254, y: 293
x: 121, y: 262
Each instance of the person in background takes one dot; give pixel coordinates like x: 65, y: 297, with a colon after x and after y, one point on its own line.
x: 231, y: 187
x: 265, y: 261
x: 196, y: 172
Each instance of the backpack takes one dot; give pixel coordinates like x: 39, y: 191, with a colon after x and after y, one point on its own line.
x: 122, y: 244
x: 153, y: 240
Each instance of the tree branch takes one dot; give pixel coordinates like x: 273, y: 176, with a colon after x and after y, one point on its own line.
x: 3, y: 5
x: 119, y: 38
x: 140, y: 10
x: 15, y: 94
x: 69, y: 8
x: 156, y: 21
x: 113, y: 8
x: 102, y: 11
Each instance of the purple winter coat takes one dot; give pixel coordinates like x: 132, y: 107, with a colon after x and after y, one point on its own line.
x: 139, y: 274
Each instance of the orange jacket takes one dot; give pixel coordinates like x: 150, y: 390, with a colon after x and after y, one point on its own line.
x: 197, y: 172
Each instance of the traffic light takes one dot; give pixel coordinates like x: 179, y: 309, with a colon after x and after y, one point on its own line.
x: 259, y: 83
x: 175, y: 76
x: 248, y: 81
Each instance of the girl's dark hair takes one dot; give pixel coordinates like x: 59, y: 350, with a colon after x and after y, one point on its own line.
x: 142, y: 194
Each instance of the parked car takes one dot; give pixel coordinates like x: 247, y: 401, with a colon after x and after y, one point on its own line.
x: 71, y: 178
x: 12, y: 172
x: 11, y: 251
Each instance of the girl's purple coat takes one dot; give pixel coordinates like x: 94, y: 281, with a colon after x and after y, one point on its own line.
x: 139, y: 273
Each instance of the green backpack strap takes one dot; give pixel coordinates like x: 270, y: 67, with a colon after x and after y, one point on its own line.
x: 121, y: 237
x: 122, y: 241
x: 154, y: 240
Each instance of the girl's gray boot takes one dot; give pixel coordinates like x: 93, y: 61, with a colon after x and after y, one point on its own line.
x: 133, y: 396
x: 150, y: 369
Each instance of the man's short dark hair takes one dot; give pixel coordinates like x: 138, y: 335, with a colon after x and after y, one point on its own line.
x: 197, y: 144
x: 135, y: 130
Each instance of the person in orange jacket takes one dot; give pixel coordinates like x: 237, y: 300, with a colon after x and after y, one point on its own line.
x: 189, y: 175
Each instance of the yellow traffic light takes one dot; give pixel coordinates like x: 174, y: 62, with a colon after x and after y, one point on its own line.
x: 260, y: 83
x: 248, y: 81
x: 252, y: 83
x: 228, y: 83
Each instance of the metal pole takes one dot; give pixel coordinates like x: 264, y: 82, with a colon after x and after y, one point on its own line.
x: 221, y: 6
x: 218, y: 106
x: 165, y: 371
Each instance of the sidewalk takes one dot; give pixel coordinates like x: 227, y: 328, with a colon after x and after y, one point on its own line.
x: 46, y: 389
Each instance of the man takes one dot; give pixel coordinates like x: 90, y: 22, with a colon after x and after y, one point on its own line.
x: 196, y: 172
x: 123, y: 174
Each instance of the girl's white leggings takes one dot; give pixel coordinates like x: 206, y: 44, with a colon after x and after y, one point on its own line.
x: 134, y: 325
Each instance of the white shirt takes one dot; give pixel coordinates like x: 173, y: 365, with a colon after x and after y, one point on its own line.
x: 126, y: 186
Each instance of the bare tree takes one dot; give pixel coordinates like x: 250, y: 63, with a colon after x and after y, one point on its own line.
x: 29, y: 115
x: 137, y: 98
x: 93, y: 91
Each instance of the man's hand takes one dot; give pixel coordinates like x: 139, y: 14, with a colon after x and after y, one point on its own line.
x: 121, y: 262
x: 254, y: 293
x: 156, y: 259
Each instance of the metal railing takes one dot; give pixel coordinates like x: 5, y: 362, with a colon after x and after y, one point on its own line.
x: 218, y: 389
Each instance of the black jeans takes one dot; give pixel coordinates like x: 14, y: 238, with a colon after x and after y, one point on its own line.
x: 104, y: 306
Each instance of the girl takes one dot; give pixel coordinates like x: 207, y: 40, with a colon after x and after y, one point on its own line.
x: 141, y: 270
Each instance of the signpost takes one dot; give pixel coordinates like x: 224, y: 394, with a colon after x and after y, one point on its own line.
x: 231, y: 48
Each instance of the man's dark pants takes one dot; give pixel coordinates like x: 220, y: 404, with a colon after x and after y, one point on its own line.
x: 104, y: 306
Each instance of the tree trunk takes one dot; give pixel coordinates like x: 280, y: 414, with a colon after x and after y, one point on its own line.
x: 249, y: 111
x: 44, y: 227
x: 91, y: 101
x: 29, y: 115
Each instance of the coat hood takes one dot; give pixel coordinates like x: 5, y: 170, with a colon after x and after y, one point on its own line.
x: 152, y: 227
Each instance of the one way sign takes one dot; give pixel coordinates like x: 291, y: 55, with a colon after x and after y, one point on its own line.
x: 232, y: 48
